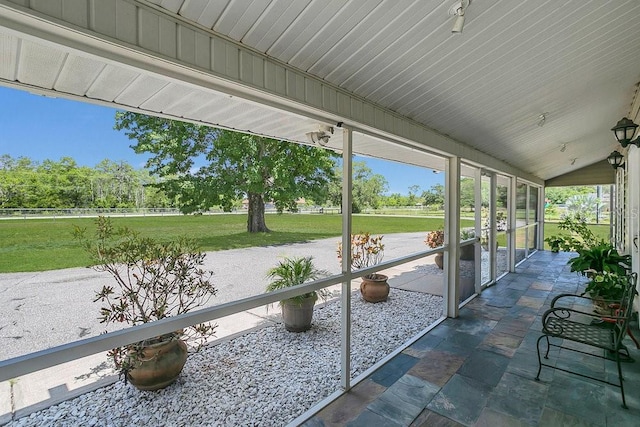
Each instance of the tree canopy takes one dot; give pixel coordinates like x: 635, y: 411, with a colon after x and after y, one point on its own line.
x: 204, y: 167
x: 368, y: 188
x: 64, y: 184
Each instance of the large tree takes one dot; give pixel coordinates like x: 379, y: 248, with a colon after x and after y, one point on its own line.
x: 204, y: 166
x: 367, y: 191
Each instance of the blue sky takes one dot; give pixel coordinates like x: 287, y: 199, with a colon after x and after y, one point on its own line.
x: 43, y: 128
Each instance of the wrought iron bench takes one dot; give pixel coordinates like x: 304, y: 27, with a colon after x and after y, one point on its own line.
x: 564, y: 321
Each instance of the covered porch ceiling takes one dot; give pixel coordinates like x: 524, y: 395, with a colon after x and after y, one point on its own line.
x: 575, y: 62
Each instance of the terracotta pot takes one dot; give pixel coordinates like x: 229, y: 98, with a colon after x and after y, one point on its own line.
x: 374, y: 289
x: 297, y: 316
x: 439, y: 260
x: 161, y: 365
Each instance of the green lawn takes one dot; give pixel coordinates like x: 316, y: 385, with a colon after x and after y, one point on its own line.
x: 48, y: 244
x: 551, y: 228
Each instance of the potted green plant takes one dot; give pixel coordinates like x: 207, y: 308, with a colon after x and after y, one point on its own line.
x: 606, y: 285
x: 297, y: 312
x: 154, y: 280
x: 606, y: 270
x: 602, y: 257
x: 468, y: 252
x: 366, y: 251
x: 435, y: 239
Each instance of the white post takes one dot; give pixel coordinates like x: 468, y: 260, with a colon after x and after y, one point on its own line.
x: 631, y: 211
x: 493, y: 233
x: 345, y: 298
x: 452, y: 235
x: 513, y: 202
x: 478, y: 229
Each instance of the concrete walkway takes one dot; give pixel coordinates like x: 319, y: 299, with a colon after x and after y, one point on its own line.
x: 46, y: 309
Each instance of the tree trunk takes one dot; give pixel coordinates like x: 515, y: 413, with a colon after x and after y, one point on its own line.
x: 255, y: 220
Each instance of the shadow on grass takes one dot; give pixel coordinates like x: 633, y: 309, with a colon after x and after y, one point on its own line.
x: 246, y: 240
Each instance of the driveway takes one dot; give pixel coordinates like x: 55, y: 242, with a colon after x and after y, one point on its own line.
x: 50, y: 308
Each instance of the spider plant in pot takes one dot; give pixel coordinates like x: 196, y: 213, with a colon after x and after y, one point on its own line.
x: 153, y: 280
x: 366, y: 251
x: 468, y: 252
x: 297, y: 312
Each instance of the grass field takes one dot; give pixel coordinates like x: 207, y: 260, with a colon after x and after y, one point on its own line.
x: 48, y: 244
x: 600, y: 230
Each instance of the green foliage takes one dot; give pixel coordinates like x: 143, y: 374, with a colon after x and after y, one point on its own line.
x: 560, y: 195
x: 467, y: 233
x: 602, y: 257
x: 64, y: 184
x: 434, y: 196
x: 203, y: 166
x: 154, y: 280
x: 607, y: 286
x: 292, y: 272
x: 578, y: 235
x: 468, y: 193
x: 584, y: 205
x: 368, y: 188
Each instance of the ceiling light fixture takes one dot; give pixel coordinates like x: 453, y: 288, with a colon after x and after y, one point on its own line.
x: 573, y: 161
x: 563, y: 148
x: 616, y: 159
x: 321, y: 136
x: 624, y: 131
x: 542, y: 118
x: 458, y: 10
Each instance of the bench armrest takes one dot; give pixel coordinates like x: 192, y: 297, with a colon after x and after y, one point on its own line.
x: 556, y: 301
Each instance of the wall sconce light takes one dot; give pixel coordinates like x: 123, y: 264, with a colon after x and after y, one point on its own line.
x: 457, y: 10
x: 616, y: 159
x: 321, y: 137
x: 624, y: 131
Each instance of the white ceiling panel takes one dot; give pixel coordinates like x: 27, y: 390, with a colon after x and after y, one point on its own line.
x: 578, y: 61
x: 110, y: 83
x: 267, y: 30
x: 78, y: 74
x: 8, y: 51
x: 140, y: 90
x: 39, y: 65
x: 239, y: 17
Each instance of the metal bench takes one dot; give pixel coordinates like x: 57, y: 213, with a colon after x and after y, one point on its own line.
x: 569, y: 320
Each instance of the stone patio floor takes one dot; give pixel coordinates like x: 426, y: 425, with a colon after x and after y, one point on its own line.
x: 478, y: 369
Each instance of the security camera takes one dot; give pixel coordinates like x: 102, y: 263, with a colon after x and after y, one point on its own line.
x: 326, y: 129
x: 320, y: 137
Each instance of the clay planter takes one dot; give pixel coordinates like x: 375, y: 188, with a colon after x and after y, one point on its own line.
x: 374, y: 289
x: 468, y: 253
x: 297, y: 316
x: 160, y: 366
x: 439, y: 260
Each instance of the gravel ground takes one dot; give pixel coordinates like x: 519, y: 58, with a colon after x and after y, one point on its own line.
x: 267, y: 377
x: 45, y: 309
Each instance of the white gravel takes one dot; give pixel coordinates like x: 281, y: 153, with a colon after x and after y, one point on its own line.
x: 267, y: 377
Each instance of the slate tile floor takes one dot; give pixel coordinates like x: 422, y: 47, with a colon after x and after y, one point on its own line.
x: 479, y: 369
